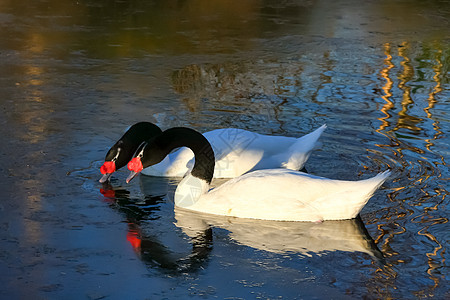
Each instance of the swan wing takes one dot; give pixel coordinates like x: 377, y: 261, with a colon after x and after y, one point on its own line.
x: 299, y: 152
x: 287, y: 195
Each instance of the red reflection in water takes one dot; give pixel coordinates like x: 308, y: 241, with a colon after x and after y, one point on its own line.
x: 109, y: 194
x: 134, y: 238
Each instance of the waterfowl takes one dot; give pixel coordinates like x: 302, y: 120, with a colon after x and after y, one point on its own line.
x: 122, y: 151
x: 239, y: 151
x: 272, y: 194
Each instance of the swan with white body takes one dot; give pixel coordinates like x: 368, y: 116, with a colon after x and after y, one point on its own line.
x: 272, y: 194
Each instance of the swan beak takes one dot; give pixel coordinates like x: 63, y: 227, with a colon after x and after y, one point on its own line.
x: 105, y: 177
x: 131, y: 176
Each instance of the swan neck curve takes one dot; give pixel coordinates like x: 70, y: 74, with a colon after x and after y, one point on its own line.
x: 157, y: 149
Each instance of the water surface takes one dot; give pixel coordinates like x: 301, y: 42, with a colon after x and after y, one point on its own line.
x: 75, y: 74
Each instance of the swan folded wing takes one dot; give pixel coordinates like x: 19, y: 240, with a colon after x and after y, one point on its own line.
x: 264, y: 194
x: 288, y: 195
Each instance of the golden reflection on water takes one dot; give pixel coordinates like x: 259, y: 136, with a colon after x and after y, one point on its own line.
x: 432, y: 99
x: 386, y: 88
x: 404, y: 120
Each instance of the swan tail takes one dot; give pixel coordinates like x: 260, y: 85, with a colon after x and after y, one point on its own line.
x: 348, y: 203
x: 300, y: 151
x: 379, y: 179
x: 368, y: 188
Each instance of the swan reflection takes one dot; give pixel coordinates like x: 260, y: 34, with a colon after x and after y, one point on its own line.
x: 305, y: 238
x: 178, y: 241
x: 151, y: 233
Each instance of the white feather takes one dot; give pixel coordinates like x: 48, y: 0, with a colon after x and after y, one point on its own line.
x: 279, y: 194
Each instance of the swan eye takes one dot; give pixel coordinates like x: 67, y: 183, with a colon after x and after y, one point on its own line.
x: 108, y: 167
x: 135, y: 165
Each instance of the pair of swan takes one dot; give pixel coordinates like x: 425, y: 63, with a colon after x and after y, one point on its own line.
x: 272, y: 194
x: 236, y: 151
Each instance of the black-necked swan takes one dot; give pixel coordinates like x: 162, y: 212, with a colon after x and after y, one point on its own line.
x: 237, y: 151
x: 272, y: 194
x: 123, y: 150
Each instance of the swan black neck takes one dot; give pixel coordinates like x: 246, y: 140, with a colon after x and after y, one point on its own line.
x: 158, y: 148
x: 124, y: 149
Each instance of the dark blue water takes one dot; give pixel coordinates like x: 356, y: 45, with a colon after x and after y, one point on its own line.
x: 74, y: 75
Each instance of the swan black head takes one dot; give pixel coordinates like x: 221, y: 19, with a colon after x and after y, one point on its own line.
x: 122, y: 151
x: 157, y: 148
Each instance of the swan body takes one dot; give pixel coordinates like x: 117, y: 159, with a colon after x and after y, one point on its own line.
x: 239, y: 151
x: 279, y: 194
x: 272, y: 194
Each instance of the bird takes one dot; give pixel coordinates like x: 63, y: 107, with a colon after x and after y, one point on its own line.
x: 237, y: 151
x: 268, y: 194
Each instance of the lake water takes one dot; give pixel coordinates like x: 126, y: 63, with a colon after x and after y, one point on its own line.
x: 75, y: 74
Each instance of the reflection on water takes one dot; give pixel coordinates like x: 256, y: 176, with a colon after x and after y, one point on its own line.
x: 74, y: 74
x: 149, y: 223
x: 302, y: 238
x: 428, y: 171
x: 147, y: 234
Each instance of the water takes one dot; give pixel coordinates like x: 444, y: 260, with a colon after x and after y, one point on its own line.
x: 75, y: 74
